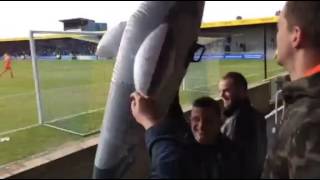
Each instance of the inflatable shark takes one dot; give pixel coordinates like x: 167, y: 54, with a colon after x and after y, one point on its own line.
x: 153, y: 50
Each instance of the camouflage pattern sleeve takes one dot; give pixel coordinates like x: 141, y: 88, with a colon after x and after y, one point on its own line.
x: 304, y: 151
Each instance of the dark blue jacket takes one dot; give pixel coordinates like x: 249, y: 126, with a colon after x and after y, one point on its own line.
x: 167, y: 152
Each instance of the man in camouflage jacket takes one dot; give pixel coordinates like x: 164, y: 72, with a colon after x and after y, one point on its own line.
x: 296, y: 153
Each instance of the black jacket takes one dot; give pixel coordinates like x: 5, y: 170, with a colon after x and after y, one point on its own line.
x: 176, y: 154
x: 247, y: 129
x: 218, y: 160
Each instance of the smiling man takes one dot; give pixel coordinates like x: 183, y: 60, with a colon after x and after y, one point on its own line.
x: 244, y: 125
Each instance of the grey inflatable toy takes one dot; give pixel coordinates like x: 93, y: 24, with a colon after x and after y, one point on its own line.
x: 157, y: 45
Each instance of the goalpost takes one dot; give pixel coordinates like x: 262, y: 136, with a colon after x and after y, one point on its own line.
x: 42, y: 120
x: 198, y: 78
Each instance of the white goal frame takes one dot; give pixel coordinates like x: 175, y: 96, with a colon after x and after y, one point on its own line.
x: 35, y: 69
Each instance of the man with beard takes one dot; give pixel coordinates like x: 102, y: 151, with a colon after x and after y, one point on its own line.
x: 244, y: 125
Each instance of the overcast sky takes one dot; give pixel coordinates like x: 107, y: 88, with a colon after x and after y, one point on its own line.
x: 18, y: 18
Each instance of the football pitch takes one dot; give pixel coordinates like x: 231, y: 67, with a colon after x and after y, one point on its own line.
x: 74, y: 94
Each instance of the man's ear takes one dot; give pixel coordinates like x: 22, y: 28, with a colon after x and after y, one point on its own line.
x: 297, y: 37
x: 244, y: 93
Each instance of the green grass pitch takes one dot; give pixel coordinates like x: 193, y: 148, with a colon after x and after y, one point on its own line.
x: 74, y: 95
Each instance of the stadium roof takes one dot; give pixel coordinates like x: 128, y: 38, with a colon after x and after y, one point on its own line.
x: 240, y: 22
x: 207, y: 25
x: 75, y: 20
x: 58, y: 36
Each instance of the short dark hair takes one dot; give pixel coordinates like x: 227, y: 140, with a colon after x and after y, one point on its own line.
x: 238, y: 79
x: 306, y: 15
x: 207, y: 102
